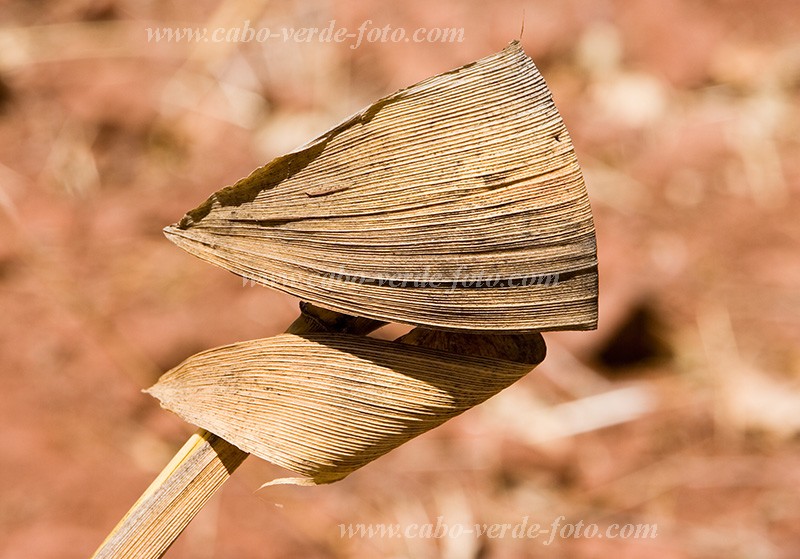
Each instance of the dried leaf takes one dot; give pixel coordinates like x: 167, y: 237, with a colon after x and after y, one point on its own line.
x: 454, y: 203
x: 323, y: 405
x: 443, y: 205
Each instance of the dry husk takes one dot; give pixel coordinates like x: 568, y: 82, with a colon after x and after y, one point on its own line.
x: 323, y: 405
x: 395, y: 214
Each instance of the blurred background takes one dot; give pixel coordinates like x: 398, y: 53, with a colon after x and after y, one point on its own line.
x: 682, y: 409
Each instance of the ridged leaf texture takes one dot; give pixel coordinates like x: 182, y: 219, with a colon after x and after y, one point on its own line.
x: 456, y: 203
x: 323, y: 405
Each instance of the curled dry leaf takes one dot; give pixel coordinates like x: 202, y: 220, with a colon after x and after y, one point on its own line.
x: 456, y: 203
x: 323, y: 405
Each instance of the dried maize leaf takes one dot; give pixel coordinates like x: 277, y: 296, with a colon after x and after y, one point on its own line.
x: 323, y: 405
x: 453, y: 204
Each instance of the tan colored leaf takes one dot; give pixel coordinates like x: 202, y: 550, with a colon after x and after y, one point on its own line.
x: 323, y: 405
x: 466, y: 177
x: 453, y: 204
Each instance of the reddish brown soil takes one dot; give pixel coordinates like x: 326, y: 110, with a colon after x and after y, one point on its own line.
x: 686, y: 118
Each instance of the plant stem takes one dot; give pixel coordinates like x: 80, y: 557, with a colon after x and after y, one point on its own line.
x: 199, y: 468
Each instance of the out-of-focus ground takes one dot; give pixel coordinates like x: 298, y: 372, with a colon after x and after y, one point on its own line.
x: 681, y: 410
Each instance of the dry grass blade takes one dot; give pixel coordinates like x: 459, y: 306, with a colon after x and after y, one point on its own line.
x: 467, y: 179
x: 324, y: 405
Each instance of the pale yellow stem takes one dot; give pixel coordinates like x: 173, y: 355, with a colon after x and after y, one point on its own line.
x: 200, y: 468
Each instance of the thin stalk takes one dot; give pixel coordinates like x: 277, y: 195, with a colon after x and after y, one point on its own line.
x: 199, y: 468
